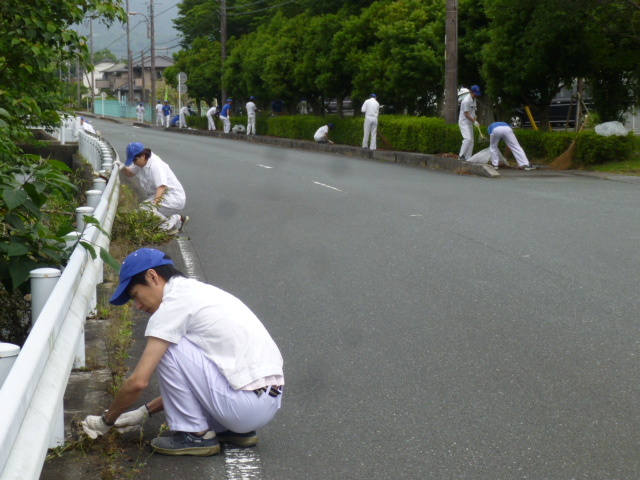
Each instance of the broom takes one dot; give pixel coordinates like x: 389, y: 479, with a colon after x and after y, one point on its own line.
x: 564, y: 161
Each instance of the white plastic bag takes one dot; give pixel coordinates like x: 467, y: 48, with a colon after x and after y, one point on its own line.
x: 484, y: 156
x: 611, y: 128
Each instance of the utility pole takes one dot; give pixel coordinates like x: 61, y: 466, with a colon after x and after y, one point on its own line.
x: 129, y: 60
x: 78, y: 79
x: 451, y: 63
x: 223, y: 43
x: 93, y: 92
x: 144, y: 91
x: 152, y: 101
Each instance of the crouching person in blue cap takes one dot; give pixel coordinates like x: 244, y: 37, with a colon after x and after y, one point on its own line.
x: 166, y: 197
x: 219, y: 370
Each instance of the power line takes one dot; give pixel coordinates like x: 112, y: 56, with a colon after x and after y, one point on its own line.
x: 260, y: 10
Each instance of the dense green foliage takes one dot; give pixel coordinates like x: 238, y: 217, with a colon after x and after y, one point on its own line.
x: 36, y: 44
x: 522, y: 52
x: 434, y: 136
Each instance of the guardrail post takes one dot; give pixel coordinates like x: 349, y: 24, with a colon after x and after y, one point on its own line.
x: 99, y: 184
x: 43, y: 281
x: 93, y: 198
x: 8, y: 354
x: 80, y: 213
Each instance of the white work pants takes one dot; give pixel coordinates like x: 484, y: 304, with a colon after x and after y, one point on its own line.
x: 159, y: 119
x: 506, y: 133
x: 196, y: 395
x: 251, y: 124
x: 212, y: 123
x: 168, y: 211
x: 466, y: 129
x: 182, y: 120
x: 226, y: 122
x: 167, y: 121
x: 370, y: 132
x: 140, y: 117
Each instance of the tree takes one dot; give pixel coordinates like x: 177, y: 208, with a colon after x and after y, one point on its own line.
x: 36, y: 43
x: 535, y: 46
x: 202, y: 65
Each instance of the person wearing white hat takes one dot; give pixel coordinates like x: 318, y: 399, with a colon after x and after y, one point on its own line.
x: 251, y: 116
x: 466, y: 120
x: 370, y: 108
x: 166, y: 197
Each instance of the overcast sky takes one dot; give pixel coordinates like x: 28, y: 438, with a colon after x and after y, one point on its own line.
x: 115, y: 38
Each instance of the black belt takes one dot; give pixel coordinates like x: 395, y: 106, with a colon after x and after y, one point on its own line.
x: 272, y: 391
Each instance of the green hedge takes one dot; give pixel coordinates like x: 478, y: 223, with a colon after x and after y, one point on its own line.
x: 434, y: 136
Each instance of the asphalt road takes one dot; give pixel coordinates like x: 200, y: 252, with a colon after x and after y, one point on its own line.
x: 433, y: 325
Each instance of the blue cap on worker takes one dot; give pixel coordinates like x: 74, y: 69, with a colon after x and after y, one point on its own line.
x: 330, y: 125
x: 252, y: 97
x: 139, y: 261
x: 229, y: 100
x: 373, y: 95
x: 133, y: 150
x: 476, y: 90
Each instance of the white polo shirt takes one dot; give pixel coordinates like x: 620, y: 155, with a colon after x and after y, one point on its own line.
x: 156, y: 173
x: 320, y: 133
x: 221, y: 325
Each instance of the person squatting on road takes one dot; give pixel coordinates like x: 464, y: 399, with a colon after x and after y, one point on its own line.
x: 166, y: 111
x: 140, y: 112
x: 166, y: 197
x: 502, y: 131
x: 251, y: 116
x: 219, y: 370
x: 210, y: 117
x: 322, y: 134
x: 159, y: 114
x: 225, y: 115
x: 184, y: 111
x: 466, y: 121
x: 370, y: 108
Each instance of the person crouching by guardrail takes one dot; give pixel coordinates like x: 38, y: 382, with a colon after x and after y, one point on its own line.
x: 166, y: 197
x: 220, y: 372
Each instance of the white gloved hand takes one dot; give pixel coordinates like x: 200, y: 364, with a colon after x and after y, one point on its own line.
x: 130, y: 421
x: 94, y: 426
x: 118, y: 164
x: 475, y: 122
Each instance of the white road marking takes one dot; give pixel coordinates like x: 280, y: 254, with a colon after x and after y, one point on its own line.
x: 264, y: 166
x: 416, y: 215
x: 328, y: 186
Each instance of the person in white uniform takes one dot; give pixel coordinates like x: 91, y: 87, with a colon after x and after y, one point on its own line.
x: 86, y: 126
x: 220, y: 372
x: 251, y: 116
x: 322, y: 134
x: 159, y: 114
x: 166, y: 197
x: 370, y: 108
x: 210, y: 117
x: 184, y: 111
x: 466, y: 121
x: 140, y: 112
x: 502, y: 131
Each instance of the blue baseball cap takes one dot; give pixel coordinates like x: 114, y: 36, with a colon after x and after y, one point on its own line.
x: 252, y: 98
x: 475, y: 89
x: 330, y: 125
x: 373, y: 95
x: 133, y: 150
x: 139, y: 261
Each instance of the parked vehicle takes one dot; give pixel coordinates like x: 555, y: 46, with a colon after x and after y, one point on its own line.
x: 562, y: 111
x: 331, y: 106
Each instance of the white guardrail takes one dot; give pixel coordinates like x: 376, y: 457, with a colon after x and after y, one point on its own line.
x: 31, y: 410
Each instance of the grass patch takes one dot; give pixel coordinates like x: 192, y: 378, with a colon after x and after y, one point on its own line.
x: 627, y: 167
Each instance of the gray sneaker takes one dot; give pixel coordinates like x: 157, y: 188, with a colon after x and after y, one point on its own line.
x: 184, y: 219
x: 183, y: 443
x: 249, y: 439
